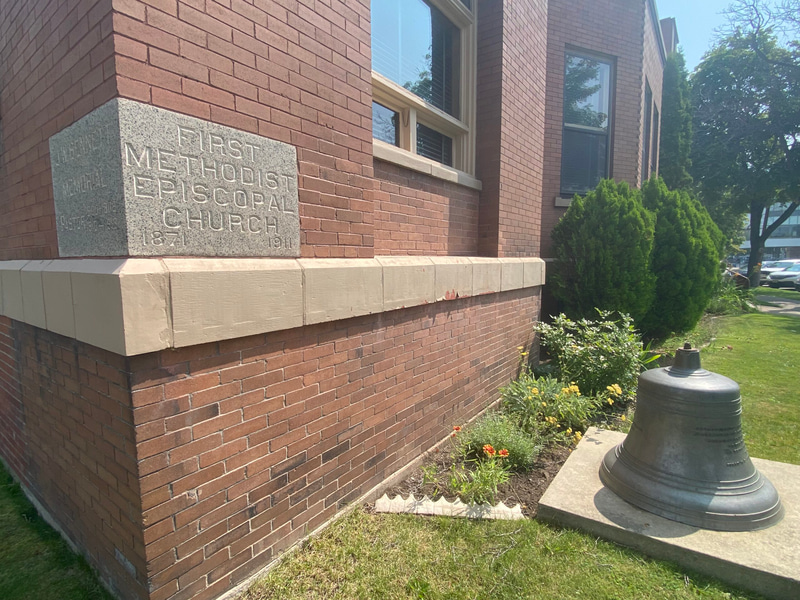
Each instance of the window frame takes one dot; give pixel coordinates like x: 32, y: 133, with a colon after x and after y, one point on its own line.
x: 412, y: 108
x: 647, y: 133
x: 611, y: 61
x: 656, y: 140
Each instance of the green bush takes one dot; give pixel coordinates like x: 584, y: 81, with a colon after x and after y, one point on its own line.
x: 548, y: 405
x: 685, y: 260
x: 602, y: 246
x: 731, y: 300
x: 501, y: 433
x: 480, y: 483
x: 595, y: 354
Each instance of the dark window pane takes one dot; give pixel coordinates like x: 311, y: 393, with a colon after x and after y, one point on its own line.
x: 648, y: 121
x: 385, y: 125
x: 414, y: 45
x: 467, y: 3
x: 434, y: 145
x: 587, y: 96
x: 583, y: 161
x: 654, y: 149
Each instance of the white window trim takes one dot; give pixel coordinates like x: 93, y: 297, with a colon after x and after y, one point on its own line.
x: 413, y: 109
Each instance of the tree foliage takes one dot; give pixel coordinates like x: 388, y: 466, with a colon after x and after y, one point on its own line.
x: 685, y: 260
x: 603, y: 245
x: 676, y: 125
x: 746, y: 97
x: 581, y: 82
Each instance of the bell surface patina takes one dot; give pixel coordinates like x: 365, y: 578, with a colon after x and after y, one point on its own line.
x: 685, y: 458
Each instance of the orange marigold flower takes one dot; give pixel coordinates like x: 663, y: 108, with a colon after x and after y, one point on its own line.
x: 503, y: 453
x: 457, y: 428
x: 453, y: 434
x: 489, y: 450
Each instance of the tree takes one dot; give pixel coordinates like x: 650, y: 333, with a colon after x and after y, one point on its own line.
x: 676, y: 125
x: 685, y: 260
x: 746, y: 96
x: 581, y: 82
x: 602, y: 246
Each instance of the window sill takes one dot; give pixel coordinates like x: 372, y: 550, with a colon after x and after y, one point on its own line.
x: 383, y: 151
x: 563, y: 202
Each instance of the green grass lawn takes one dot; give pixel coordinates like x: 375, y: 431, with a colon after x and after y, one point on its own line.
x: 366, y: 556
x: 35, y: 563
x: 761, y: 352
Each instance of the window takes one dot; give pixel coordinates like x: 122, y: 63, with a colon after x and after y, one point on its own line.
x: 423, y: 80
x: 587, y: 123
x: 654, y: 149
x: 648, y: 121
x: 385, y: 124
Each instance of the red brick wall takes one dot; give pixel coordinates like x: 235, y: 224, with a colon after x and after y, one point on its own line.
x: 246, y: 446
x: 67, y: 434
x: 295, y: 72
x: 614, y: 28
x: 489, y: 120
x: 511, y: 93
x: 524, y: 64
x: 653, y: 73
x: 12, y: 411
x: 420, y: 214
x: 57, y: 64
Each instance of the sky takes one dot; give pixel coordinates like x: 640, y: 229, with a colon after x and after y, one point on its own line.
x: 696, y: 20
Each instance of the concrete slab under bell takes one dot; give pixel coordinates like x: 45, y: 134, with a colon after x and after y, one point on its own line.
x: 765, y: 561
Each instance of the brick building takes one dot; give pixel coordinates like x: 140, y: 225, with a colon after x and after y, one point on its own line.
x: 205, y: 356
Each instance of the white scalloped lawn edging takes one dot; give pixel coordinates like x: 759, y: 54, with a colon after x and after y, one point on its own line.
x: 445, y: 508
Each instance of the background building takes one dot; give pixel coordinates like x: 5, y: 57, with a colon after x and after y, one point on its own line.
x: 785, y: 240
x: 255, y: 258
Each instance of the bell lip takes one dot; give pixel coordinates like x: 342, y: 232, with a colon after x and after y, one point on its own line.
x: 764, y: 517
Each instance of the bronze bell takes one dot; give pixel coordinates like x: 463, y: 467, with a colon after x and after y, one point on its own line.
x: 685, y: 458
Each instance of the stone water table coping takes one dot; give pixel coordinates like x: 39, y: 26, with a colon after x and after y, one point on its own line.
x: 133, y: 306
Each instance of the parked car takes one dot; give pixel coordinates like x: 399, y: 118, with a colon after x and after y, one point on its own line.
x: 779, y: 265
x: 785, y: 278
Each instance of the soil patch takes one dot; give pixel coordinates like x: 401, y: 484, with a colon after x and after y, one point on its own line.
x: 523, y: 488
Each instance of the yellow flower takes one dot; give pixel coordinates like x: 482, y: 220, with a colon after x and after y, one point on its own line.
x: 610, y: 402
x: 544, y: 404
x: 520, y: 348
x: 523, y: 354
x: 623, y: 418
x: 535, y: 391
x: 569, y: 430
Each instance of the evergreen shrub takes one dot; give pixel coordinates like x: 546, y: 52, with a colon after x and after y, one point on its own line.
x: 685, y: 260
x: 602, y: 246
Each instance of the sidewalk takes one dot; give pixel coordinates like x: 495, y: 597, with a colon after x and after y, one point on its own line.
x: 782, y: 306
